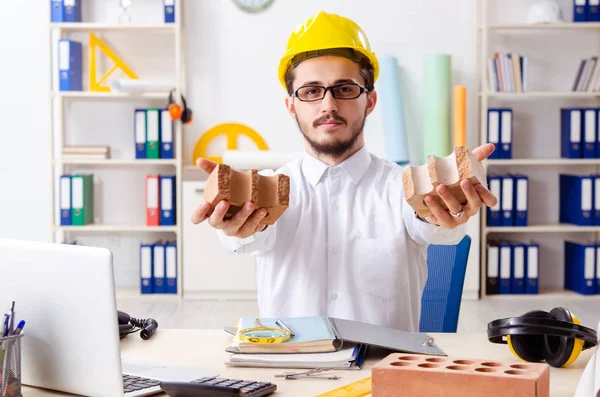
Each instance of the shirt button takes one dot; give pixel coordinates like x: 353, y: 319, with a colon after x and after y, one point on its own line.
x: 334, y: 296
x: 335, y: 207
x: 334, y: 251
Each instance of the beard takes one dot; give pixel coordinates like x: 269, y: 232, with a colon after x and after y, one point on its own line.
x: 338, y: 147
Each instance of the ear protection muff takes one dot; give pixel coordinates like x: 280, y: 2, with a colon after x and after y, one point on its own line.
x: 177, y: 113
x: 556, y: 336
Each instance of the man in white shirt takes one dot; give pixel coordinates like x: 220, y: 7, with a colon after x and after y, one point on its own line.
x: 349, y: 245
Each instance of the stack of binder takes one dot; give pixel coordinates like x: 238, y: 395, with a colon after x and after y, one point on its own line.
x: 579, y: 133
x: 161, y: 209
x: 158, y: 268
x: 512, y: 191
x: 76, y: 199
x: 500, y: 132
x: 512, y: 268
x: 586, y: 11
x: 153, y: 130
x: 582, y: 271
x: 579, y: 202
x: 86, y: 152
x: 65, y: 10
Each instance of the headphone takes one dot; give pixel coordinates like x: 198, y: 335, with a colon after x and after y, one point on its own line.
x: 556, y: 336
x: 129, y: 325
x: 177, y: 112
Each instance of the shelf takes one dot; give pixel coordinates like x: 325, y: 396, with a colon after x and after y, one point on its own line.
x: 117, y: 228
x: 541, y: 94
x: 555, y: 228
x: 549, y: 161
x: 134, y: 293
x: 553, y: 26
x: 553, y: 294
x: 111, y: 95
x: 116, y: 162
x: 85, y: 26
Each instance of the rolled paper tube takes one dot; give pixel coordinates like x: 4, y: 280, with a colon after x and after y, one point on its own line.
x: 460, y: 115
x: 437, y: 105
x: 392, y: 110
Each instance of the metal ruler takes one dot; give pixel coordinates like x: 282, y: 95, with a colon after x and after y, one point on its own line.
x: 356, y: 389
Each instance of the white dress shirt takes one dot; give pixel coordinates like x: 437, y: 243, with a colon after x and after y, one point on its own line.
x: 349, y: 246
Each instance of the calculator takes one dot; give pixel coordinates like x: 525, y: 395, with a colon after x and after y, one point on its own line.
x: 217, y: 387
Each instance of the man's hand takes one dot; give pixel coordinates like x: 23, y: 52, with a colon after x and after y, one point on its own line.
x: 244, y: 223
x: 458, y: 214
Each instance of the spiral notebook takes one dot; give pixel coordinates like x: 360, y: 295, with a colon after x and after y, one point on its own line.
x: 321, y: 334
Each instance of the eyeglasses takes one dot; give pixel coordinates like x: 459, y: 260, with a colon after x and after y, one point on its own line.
x: 312, y: 93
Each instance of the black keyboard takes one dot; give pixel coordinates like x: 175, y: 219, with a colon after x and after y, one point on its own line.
x: 218, y: 387
x: 133, y: 383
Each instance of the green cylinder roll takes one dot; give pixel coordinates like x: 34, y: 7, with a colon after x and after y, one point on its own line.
x: 437, y: 105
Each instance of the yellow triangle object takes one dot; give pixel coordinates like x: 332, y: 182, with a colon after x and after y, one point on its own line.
x: 95, y: 85
x: 231, y: 131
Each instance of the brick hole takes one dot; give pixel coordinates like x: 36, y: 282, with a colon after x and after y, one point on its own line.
x: 491, y: 364
x: 485, y: 369
x: 435, y: 360
x: 514, y: 372
x: 520, y: 366
x: 409, y: 358
x: 400, y: 363
x: 457, y: 367
x: 428, y: 365
x: 463, y: 362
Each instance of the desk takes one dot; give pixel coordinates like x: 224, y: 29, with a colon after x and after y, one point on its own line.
x: 205, y: 349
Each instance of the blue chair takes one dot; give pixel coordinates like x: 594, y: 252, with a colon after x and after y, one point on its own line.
x: 440, y: 303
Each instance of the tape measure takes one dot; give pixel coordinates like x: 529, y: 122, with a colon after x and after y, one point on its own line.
x: 356, y: 389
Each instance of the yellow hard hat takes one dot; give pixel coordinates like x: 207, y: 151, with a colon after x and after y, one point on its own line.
x: 326, y: 31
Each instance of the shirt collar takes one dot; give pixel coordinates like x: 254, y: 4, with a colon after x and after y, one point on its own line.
x: 355, y: 166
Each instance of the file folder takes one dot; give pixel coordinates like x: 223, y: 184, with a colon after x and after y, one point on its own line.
x: 507, y: 200
x: 166, y: 135
x: 167, y: 200
x: 518, y: 269
x: 521, y: 199
x: 65, y: 200
x: 56, y: 11
x: 580, y: 267
x: 169, y: 8
x: 158, y: 268
x: 152, y: 133
x: 505, y: 267
x: 82, y: 199
x: 506, y: 133
x: 576, y: 199
x: 139, y: 127
x: 593, y: 11
x: 146, y: 271
x: 570, y: 133
x: 579, y: 11
x: 152, y: 200
x: 71, y: 10
x: 69, y: 65
x: 493, y: 132
x: 494, y: 214
x: 171, y: 267
x: 596, y: 194
x: 597, y: 269
x: 590, y: 127
x: 532, y: 266
x: 493, y: 263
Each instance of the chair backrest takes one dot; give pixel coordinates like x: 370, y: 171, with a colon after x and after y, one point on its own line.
x: 440, y: 303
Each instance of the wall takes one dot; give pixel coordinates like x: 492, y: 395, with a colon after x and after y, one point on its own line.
x: 231, y: 66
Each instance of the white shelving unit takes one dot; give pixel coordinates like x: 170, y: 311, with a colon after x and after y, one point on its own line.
x: 525, y: 165
x: 59, y: 165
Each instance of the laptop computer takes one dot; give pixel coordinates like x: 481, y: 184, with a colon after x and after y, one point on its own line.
x: 66, y: 295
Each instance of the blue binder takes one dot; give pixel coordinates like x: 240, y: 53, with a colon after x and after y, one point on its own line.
x: 532, y: 266
x: 576, y: 198
x: 506, y: 133
x: 56, y: 10
x: 493, y: 131
x: 146, y: 270
x: 580, y: 267
x: 596, y: 195
x: 71, y: 10
x: 580, y: 10
x: 169, y: 11
x: 65, y: 200
x: 493, y: 269
x: 517, y: 268
x: 597, y: 269
x: 139, y: 128
x: 570, y: 133
x: 171, y: 267
x: 168, y: 208
x: 166, y: 135
x: 494, y: 214
x: 592, y: 11
x: 521, y: 199
x: 507, y: 204
x: 158, y: 268
x: 69, y: 65
x: 590, y: 134
x: 505, y: 252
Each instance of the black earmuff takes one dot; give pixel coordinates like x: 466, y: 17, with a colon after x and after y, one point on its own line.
x: 176, y: 112
x: 556, y: 336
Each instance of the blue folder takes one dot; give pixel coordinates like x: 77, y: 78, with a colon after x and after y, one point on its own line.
x: 580, y: 267
x: 576, y: 199
x: 146, y: 270
x: 70, y: 65
x: 517, y: 268
x: 590, y: 133
x: 171, y: 267
x: 571, y: 127
x: 532, y: 266
x: 168, y: 207
x: 65, y: 200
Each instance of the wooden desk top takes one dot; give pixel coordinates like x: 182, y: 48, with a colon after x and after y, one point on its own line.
x: 204, y: 349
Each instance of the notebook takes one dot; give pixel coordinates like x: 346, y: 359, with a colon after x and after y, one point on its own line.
x: 321, y: 334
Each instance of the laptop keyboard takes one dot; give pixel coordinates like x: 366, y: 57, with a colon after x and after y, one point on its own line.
x: 133, y: 383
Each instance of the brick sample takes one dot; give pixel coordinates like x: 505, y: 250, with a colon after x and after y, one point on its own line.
x: 239, y: 187
x: 419, y: 182
x: 425, y: 375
